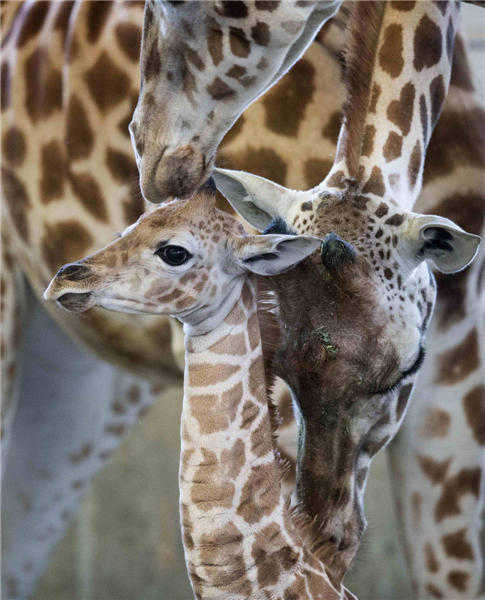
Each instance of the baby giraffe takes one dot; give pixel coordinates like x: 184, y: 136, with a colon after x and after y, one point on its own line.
x: 192, y: 261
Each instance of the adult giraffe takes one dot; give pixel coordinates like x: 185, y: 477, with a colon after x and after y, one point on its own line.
x: 105, y: 34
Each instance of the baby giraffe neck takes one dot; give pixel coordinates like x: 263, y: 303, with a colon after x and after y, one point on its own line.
x: 239, y: 540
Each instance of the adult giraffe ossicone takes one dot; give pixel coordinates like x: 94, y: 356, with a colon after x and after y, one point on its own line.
x: 192, y: 261
x: 353, y: 330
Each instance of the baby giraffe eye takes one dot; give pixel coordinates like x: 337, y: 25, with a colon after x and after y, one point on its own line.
x: 174, y: 255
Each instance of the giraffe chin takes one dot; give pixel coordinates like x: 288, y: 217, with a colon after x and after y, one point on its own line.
x: 77, y: 303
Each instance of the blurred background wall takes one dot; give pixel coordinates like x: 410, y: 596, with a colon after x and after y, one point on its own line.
x: 125, y: 543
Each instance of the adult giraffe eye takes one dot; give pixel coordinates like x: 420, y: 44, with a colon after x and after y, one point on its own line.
x: 174, y: 255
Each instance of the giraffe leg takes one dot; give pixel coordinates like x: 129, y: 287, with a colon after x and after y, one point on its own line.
x: 438, y: 458
x: 12, y: 315
x: 73, y: 411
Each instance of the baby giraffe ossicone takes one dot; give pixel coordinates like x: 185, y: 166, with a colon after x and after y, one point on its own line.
x: 190, y: 260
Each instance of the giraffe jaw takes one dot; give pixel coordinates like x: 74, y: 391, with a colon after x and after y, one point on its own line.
x: 76, y: 302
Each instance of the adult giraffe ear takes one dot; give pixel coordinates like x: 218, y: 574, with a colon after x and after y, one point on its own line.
x: 442, y: 241
x: 258, y: 200
x: 273, y: 254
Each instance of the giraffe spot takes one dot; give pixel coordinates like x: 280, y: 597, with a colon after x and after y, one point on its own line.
x: 236, y: 316
x: 202, y: 375
x: 61, y: 22
x: 450, y: 39
x: 391, y: 57
x: 133, y: 208
x: 249, y: 413
x: 331, y: 129
x: 427, y: 44
x: 53, y: 172
x: 393, y: 147
x: 474, y: 404
x: 403, y: 5
x: 234, y: 458
x: 442, y: 5
x: 87, y: 191
x: 403, y: 400
x: 107, y: 83
x: 372, y: 447
x: 375, y: 183
x: 423, y: 112
x: 32, y: 21
x: 256, y: 381
x: 456, y: 364
x: 79, y: 136
x: 457, y: 546
x: 400, y: 112
x: 13, y: 146
x: 210, y: 488
x: 436, y: 424
x: 214, y: 414
x: 192, y: 56
x: 434, y: 591
x: 457, y: 140
x: 15, y: 195
x: 376, y: 92
x: 234, y: 9
x: 466, y: 481
x: 122, y: 166
x: 77, y: 485
x: 44, y: 86
x: 431, y: 563
x: 151, y: 62
x: 64, y: 242
x: 315, y: 171
x: 461, y: 76
x: 437, y: 92
x: 264, y: 162
x: 458, y: 580
x: 247, y: 297
x: 416, y: 502
x: 219, y: 90
x: 260, y: 34
x: 368, y: 142
x: 394, y: 221
x: 83, y: 453
x: 232, y: 345
x: 238, y: 42
x: 286, y: 103
x: 434, y: 470
x: 215, y: 41
x: 214, y: 550
x: 260, y: 494
x: 97, y: 15
x: 336, y: 180
x: 118, y: 408
x: 267, y: 5
x: 117, y: 429
x: 272, y: 555
x: 236, y: 72
x: 414, y: 166
x: 134, y: 394
x: 261, y: 443
x: 128, y: 36
x: 5, y: 82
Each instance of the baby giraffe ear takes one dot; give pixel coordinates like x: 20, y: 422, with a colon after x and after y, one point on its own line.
x: 273, y: 254
x: 255, y: 198
x: 442, y: 241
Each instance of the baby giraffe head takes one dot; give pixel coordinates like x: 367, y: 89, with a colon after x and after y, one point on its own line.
x: 186, y: 259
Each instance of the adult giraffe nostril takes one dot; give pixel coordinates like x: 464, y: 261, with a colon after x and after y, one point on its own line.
x: 73, y: 272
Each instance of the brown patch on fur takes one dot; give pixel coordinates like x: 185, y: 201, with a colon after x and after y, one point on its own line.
x: 428, y: 44
x: 261, y: 34
x: 5, y: 86
x: 416, y: 502
x: 391, y: 51
x: 436, y: 424
x: 457, y: 546
x: 44, y: 86
x: 231, y: 345
x: 87, y: 190
x: 107, y: 83
x: 98, y: 13
x: 211, y: 488
x: 215, y: 39
x: 368, y: 143
x: 414, y: 166
x: 15, y: 195
x: 375, y: 183
x: 393, y: 147
x: 461, y: 76
x: 434, y: 470
x: 79, y: 136
x: 202, y: 375
x: 54, y: 172
x: 431, y: 563
x: 376, y: 92
x: 331, y: 130
x: 239, y: 43
x: 458, y: 580
x: 13, y: 146
x: 122, y: 166
x: 286, y: 103
x: 433, y: 591
x: 474, y: 404
x: 64, y: 242
x: 437, y: 93
x: 264, y: 162
x: 403, y: 5
x: 128, y: 36
x: 219, y: 90
x: 456, y: 364
x: 260, y: 494
x: 400, y: 112
x: 315, y: 170
x: 360, y: 58
x: 272, y: 555
x: 337, y: 180
x: 84, y: 453
x: 32, y: 21
x: 466, y: 481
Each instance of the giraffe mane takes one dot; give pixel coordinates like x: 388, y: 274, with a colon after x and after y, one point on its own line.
x: 360, y: 55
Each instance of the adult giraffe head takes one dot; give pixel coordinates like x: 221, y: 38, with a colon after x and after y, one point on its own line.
x: 353, y: 323
x: 202, y: 64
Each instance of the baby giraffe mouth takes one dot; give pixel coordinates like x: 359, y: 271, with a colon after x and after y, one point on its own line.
x: 76, y: 302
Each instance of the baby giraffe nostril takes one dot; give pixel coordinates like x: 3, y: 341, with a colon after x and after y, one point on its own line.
x: 73, y: 271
